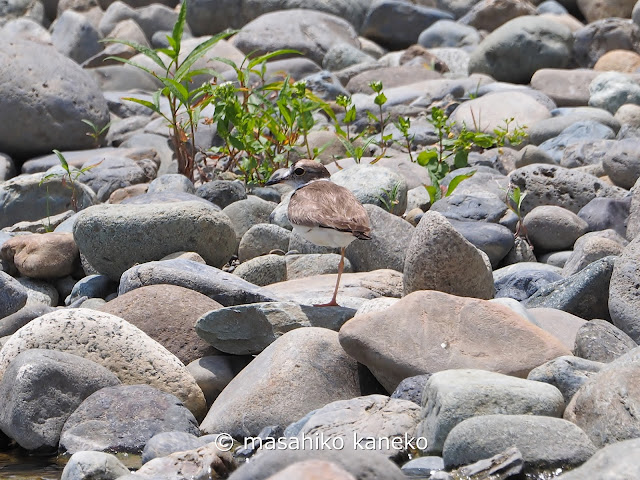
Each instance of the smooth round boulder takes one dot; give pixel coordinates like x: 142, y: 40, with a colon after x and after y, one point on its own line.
x: 13, y: 296
x: 553, y: 228
x: 49, y: 113
x: 46, y: 255
x: 113, y: 238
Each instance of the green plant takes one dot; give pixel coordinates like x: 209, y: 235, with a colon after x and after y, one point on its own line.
x: 390, y: 197
x: 69, y: 180
x: 451, y: 151
x: 403, y: 124
x: 176, y: 76
x: 513, y: 199
x: 380, y: 99
x: 96, y: 132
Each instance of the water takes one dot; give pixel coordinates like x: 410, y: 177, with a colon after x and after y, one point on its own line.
x: 16, y: 464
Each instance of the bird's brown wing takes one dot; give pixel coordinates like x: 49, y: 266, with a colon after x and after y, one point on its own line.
x: 325, y: 204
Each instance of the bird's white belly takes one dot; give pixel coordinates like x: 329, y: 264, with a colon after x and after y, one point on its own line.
x: 325, y: 237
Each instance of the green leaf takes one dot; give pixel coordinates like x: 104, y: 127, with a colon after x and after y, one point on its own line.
x: 201, y: 50
x: 434, y: 193
x: 179, y: 90
x: 178, y: 27
x: 62, y: 160
x: 380, y: 99
x: 455, y: 181
x: 270, y: 55
x: 515, y: 195
x: 427, y: 156
x: 236, y: 143
x: 350, y: 115
x: 145, y: 103
x: 285, y: 112
x: 148, y: 52
x: 461, y: 159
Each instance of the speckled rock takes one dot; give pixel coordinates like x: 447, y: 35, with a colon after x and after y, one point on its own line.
x: 595, y: 39
x: 553, y: 228
x: 94, y: 464
x: 601, y: 341
x: 13, y: 296
x: 611, y: 90
x: 262, y: 239
x: 248, y: 212
x: 624, y: 297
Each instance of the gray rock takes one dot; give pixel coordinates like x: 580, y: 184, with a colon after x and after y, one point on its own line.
x: 565, y: 117
x: 581, y: 131
x: 166, y: 443
x: 104, y: 421
x: 566, y: 373
x: 92, y: 286
x: 590, y: 248
x: 585, y: 294
x: 25, y: 198
x: 503, y: 53
x: 39, y: 292
x: 616, y: 461
x: 465, y: 207
x: 61, y: 95
x: 611, y: 90
x: 375, y: 185
x: 411, y: 388
x: 264, y: 270
x: 553, y: 228
x: 32, y: 10
x: 460, y: 268
x: 93, y: 465
x: 522, y: 284
x: 600, y: 341
x: 387, y: 22
x: 261, y: 239
x: 633, y: 221
x: 480, y: 437
x: 222, y: 192
x: 312, y: 264
x: 255, y: 398
x: 7, y: 167
x: 13, y: 296
x: 358, y: 419
x: 452, y: 396
x: 151, y: 18
x: 173, y: 182
x: 343, y: 55
x: 607, y: 213
x: 246, y: 213
x: 12, y: 323
x: 490, y: 14
x: 74, y: 36
x: 206, y: 461
x: 113, y: 238
x: 553, y: 185
x: 311, y: 32
x: 213, y: 373
x: 615, y: 386
x: 623, y: 295
x: 494, y: 240
x: 599, y: 37
x: 423, y: 467
x: 225, y: 288
x: 165, y: 197
x: 42, y: 388
x: 109, y: 173
x: 620, y: 162
x: 556, y: 259
x: 390, y: 238
x: 447, y: 33
x: 249, y: 329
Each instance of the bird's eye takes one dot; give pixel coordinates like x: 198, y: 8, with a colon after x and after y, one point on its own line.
x: 299, y: 171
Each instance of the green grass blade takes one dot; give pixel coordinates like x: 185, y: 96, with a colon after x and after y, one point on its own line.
x: 148, y: 52
x: 198, y: 52
x: 178, y: 28
x: 270, y: 55
x: 63, y: 161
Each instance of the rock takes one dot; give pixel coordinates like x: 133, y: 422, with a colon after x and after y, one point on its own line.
x: 172, y: 182
x: 556, y: 259
x: 600, y: 341
x: 491, y: 14
x: 494, y: 240
x: 567, y: 373
x: 623, y: 294
x: 47, y: 255
x: 14, y: 322
x: 447, y: 33
x: 386, y: 23
x: 623, y: 61
x: 111, y: 342
x: 166, y: 443
x: 375, y: 185
x: 620, y: 163
x: 26, y: 29
x: 584, y: 294
x: 411, y: 388
x: 22, y: 198
x: 583, y: 132
x: 92, y: 286
x: 553, y: 228
x: 111, y: 172
x: 213, y: 373
x: 314, y: 33
x: 93, y: 465
x: 255, y: 397
x: 601, y: 36
x: 481, y: 437
x: 615, y: 386
x: 594, y: 10
x: 465, y: 207
x: 7, y: 167
x: 562, y: 325
x: 607, y: 213
x: 264, y: 270
x: 588, y: 249
x: 225, y: 288
x: 261, y: 239
x: 423, y: 466
x: 222, y: 192
x: 523, y: 283
x: 611, y: 90
x: 249, y: 329
x: 207, y: 461
x: 613, y: 461
x: 167, y: 314
x: 553, y: 185
x: 452, y: 396
x: 246, y: 213
x: 39, y: 292
x: 104, y: 421
x: 362, y: 464
x: 390, y: 238
x: 343, y: 55
x: 566, y: 117
x: 503, y: 53
x: 320, y: 469
x: 496, y: 338
x: 573, y: 90
x: 313, y: 264
x: 112, y: 237
x: 61, y: 95
x: 461, y: 269
x: 355, y: 288
x: 633, y: 220
x: 13, y: 296
x: 42, y: 388
x: 74, y: 36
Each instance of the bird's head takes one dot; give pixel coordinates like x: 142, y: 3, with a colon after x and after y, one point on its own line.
x: 300, y: 173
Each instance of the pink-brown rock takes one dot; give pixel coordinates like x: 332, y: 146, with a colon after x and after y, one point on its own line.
x: 597, y: 9
x: 562, y: 325
x: 429, y: 331
x: 47, y: 255
x: 313, y: 470
x: 624, y: 61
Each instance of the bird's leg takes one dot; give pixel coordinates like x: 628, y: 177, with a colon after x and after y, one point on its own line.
x: 333, y: 302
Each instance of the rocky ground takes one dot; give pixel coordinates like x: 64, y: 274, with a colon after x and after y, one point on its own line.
x: 164, y: 318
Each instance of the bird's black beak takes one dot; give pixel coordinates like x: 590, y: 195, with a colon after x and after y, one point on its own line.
x: 279, y: 176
